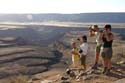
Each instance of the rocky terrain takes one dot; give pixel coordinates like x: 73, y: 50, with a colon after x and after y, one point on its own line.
x: 118, y: 69
x: 41, y: 54
x: 17, y: 59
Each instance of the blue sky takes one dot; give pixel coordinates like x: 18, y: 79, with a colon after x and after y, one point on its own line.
x: 61, y: 6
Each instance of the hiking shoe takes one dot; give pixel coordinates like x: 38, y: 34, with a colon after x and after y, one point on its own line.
x: 108, y: 72
x: 104, y: 71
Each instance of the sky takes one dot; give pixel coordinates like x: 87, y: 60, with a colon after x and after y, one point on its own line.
x: 61, y: 6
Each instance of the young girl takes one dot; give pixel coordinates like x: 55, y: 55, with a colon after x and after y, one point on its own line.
x: 75, y: 55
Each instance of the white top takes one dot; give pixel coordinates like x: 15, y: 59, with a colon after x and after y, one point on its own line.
x: 97, y: 38
x: 84, y: 48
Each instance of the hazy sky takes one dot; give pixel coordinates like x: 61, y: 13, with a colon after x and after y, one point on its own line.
x: 61, y: 6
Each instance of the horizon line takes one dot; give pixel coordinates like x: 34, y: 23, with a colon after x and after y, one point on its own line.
x: 65, y: 13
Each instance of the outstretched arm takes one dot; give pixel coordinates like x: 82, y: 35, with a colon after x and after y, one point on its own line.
x: 91, y: 32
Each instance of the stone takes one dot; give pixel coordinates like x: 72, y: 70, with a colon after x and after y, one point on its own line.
x: 30, y: 81
x: 120, y: 81
x: 70, y: 73
x: 64, y: 82
x: 64, y: 78
x: 46, y: 81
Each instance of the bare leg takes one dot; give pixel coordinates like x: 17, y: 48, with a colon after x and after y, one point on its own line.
x: 84, y: 66
x: 74, y: 65
x: 105, y: 65
x: 97, y: 58
x: 109, y: 63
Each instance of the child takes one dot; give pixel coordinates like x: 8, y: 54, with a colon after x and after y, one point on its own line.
x: 75, y: 55
x: 83, y: 50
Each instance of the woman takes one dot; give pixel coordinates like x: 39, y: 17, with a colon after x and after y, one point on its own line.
x: 106, y: 51
x: 83, y: 51
x: 94, y: 31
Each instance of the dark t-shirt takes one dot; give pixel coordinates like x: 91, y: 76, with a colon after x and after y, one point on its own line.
x: 107, y: 44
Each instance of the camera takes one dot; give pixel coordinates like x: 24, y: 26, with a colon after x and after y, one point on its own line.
x: 78, y: 39
x: 80, y: 51
x: 101, y: 31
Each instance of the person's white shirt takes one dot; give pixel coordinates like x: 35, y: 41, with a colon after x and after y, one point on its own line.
x: 97, y: 34
x: 84, y: 48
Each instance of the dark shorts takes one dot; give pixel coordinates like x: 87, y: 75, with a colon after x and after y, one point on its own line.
x: 83, y: 60
x: 98, y: 47
x: 106, y: 53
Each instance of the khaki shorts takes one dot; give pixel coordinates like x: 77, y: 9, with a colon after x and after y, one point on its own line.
x: 98, y: 47
x: 106, y: 53
x: 83, y: 60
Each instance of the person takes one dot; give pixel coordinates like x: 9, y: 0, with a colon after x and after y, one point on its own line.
x: 83, y: 50
x: 106, y: 51
x: 75, y: 55
x: 94, y: 31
